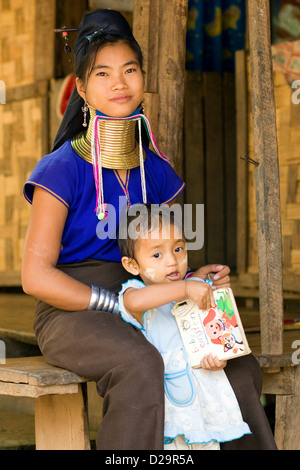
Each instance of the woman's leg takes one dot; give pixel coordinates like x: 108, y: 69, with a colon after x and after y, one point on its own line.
x: 128, y: 371
x: 245, y: 377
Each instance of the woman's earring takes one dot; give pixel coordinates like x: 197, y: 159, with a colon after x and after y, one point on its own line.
x: 85, y: 109
x: 142, y: 109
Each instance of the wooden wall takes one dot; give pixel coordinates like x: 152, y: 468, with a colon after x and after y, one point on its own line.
x: 288, y: 134
x: 210, y: 162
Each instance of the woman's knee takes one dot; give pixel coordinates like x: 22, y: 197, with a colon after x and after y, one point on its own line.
x: 147, y: 366
x: 244, y: 373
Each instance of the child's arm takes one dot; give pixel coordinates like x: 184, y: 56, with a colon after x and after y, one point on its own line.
x: 137, y: 301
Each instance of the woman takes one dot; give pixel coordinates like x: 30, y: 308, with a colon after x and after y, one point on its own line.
x: 66, y: 250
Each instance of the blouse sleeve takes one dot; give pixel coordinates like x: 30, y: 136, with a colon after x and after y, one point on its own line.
x: 56, y: 173
x: 125, y: 314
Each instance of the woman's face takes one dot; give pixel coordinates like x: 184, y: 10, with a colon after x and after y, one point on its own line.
x: 115, y: 85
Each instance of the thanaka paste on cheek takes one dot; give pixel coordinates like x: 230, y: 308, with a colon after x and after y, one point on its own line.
x: 149, y: 273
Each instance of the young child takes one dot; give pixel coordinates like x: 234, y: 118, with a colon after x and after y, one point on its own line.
x: 201, y: 409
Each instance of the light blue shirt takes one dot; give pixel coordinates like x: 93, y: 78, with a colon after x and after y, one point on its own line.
x: 199, y: 404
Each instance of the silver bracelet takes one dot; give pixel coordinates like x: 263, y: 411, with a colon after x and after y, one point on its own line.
x: 94, y: 298
x: 104, y: 300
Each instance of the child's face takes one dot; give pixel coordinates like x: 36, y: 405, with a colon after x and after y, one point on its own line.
x: 161, y: 260
x: 116, y: 84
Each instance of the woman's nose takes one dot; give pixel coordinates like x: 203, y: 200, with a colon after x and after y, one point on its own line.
x: 119, y: 82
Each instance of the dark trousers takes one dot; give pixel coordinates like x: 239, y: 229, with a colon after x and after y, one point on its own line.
x: 129, y: 371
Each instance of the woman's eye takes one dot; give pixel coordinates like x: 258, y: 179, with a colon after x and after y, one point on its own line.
x: 157, y: 255
x: 130, y: 70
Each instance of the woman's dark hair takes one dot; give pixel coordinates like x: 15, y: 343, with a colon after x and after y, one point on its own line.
x: 96, y: 29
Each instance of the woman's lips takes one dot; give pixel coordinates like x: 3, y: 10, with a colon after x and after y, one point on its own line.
x: 121, y: 99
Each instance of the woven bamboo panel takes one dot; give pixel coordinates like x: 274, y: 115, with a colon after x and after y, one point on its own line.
x: 26, y: 65
x: 21, y: 146
x: 288, y: 133
x: 17, y: 31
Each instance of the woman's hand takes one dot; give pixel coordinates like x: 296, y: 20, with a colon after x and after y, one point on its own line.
x: 210, y: 362
x: 218, y: 273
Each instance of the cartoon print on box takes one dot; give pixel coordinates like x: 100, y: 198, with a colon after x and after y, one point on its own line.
x: 218, y: 331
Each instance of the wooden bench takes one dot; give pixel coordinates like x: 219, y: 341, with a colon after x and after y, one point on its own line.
x: 60, y: 411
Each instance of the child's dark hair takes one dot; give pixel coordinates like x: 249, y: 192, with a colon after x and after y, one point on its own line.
x: 142, y: 219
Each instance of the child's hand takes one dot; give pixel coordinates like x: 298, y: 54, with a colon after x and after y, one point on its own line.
x: 210, y: 362
x: 201, y: 293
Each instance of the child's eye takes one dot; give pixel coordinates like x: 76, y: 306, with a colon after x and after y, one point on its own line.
x: 178, y: 249
x: 157, y: 255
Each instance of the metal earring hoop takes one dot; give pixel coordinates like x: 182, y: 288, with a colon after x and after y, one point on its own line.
x: 85, y: 109
x: 142, y: 109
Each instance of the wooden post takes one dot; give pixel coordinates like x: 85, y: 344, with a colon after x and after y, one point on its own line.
x: 160, y: 28
x: 241, y: 152
x: 61, y: 422
x: 266, y: 178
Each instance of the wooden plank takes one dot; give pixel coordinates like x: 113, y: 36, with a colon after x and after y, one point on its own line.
x: 151, y: 106
x: 36, y: 371
x: 214, y: 176
x: 287, y: 423
x: 230, y: 168
x: 291, y: 283
x: 266, y: 177
x: 147, y: 33
x: 194, y: 169
x: 164, y: 53
x: 272, y: 360
x: 280, y: 383
x: 242, y: 167
x: 61, y: 423
x: 44, y: 49
x: 35, y: 391
x: 171, y: 66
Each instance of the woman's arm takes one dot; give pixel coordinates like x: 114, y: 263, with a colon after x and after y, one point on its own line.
x: 40, y: 277
x: 137, y: 301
